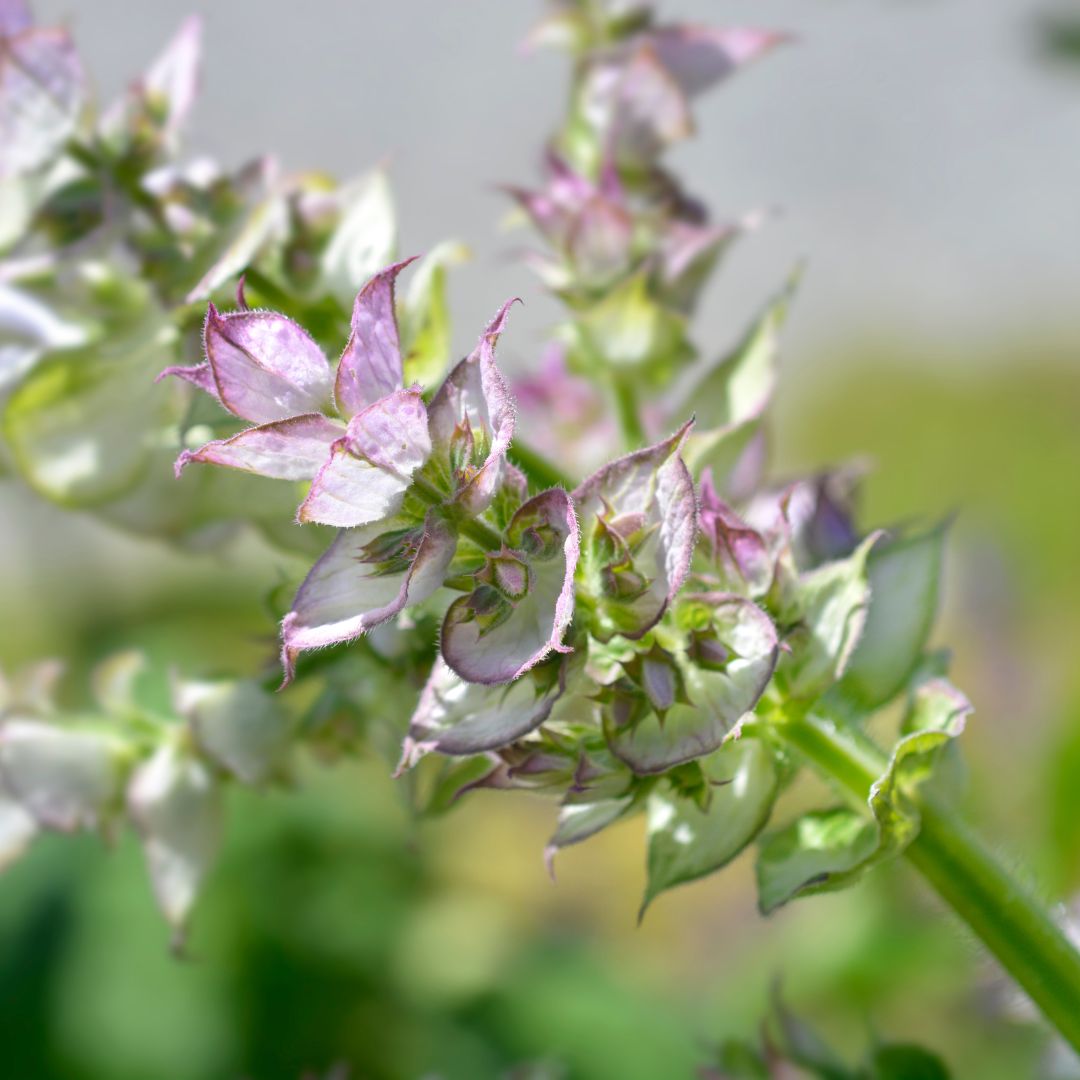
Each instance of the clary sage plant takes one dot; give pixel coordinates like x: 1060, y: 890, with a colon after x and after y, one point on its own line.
x: 668, y: 631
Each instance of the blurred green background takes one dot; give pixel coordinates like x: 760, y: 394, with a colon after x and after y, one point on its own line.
x: 335, y: 929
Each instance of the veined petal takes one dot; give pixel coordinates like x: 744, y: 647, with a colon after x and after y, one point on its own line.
x: 348, y: 591
x: 293, y: 449
x: 266, y: 366
x: 533, y: 606
x: 699, y: 57
x: 371, y: 366
x: 476, y: 394
x: 653, y: 489
x: 371, y: 467
x: 457, y: 717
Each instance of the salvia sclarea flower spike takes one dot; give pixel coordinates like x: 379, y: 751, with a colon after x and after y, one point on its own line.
x: 638, y: 78
x: 413, y: 486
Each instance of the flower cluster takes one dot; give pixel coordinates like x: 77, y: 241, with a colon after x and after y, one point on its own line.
x: 111, y: 243
x: 636, y: 637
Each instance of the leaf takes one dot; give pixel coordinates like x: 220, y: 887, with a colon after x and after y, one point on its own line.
x: 364, y: 238
x: 41, y: 94
x: 425, y: 315
x: 904, y: 577
x: 66, y: 778
x: 739, y: 387
x: 803, y: 1046
x: 830, y: 850
x: 523, y: 601
x: 475, y: 399
x: 687, y: 842
x: 811, y: 852
x: 370, y: 367
x: 903, y: 1061
x: 175, y: 803
x: 371, y: 467
x: 238, y: 245
x: 236, y: 723
x: 265, y: 366
x: 83, y: 423
x: 581, y: 817
x: 718, y: 699
x: 366, y: 576
x: 460, y: 718
x: 292, y: 449
x: 831, y: 603
x: 629, y: 329
x: 639, y: 521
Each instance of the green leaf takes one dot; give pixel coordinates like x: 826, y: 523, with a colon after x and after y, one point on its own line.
x: 904, y: 577
x: 425, y: 317
x: 84, y: 422
x: 629, y: 329
x: 803, y: 1046
x: 687, y: 842
x: 175, y: 802
x: 237, y: 724
x: 365, y: 237
x: 808, y: 855
x: 740, y: 385
x: 830, y: 606
x: 829, y: 850
x: 902, y: 1061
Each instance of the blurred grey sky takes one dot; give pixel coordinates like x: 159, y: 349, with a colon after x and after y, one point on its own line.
x: 926, y: 163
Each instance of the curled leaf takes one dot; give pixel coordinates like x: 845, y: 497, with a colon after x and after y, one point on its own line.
x: 718, y: 694
x: 523, y: 601
x: 640, y: 521
x: 474, y: 400
x: 459, y: 718
x: 175, y: 802
x: 366, y: 576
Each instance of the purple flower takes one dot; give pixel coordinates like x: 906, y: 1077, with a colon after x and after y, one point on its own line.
x: 266, y: 369
x: 397, y: 476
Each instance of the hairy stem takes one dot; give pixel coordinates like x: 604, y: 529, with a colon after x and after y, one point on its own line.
x: 476, y: 530
x: 1000, y: 910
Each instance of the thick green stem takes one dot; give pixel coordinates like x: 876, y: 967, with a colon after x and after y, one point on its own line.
x: 1012, y: 922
